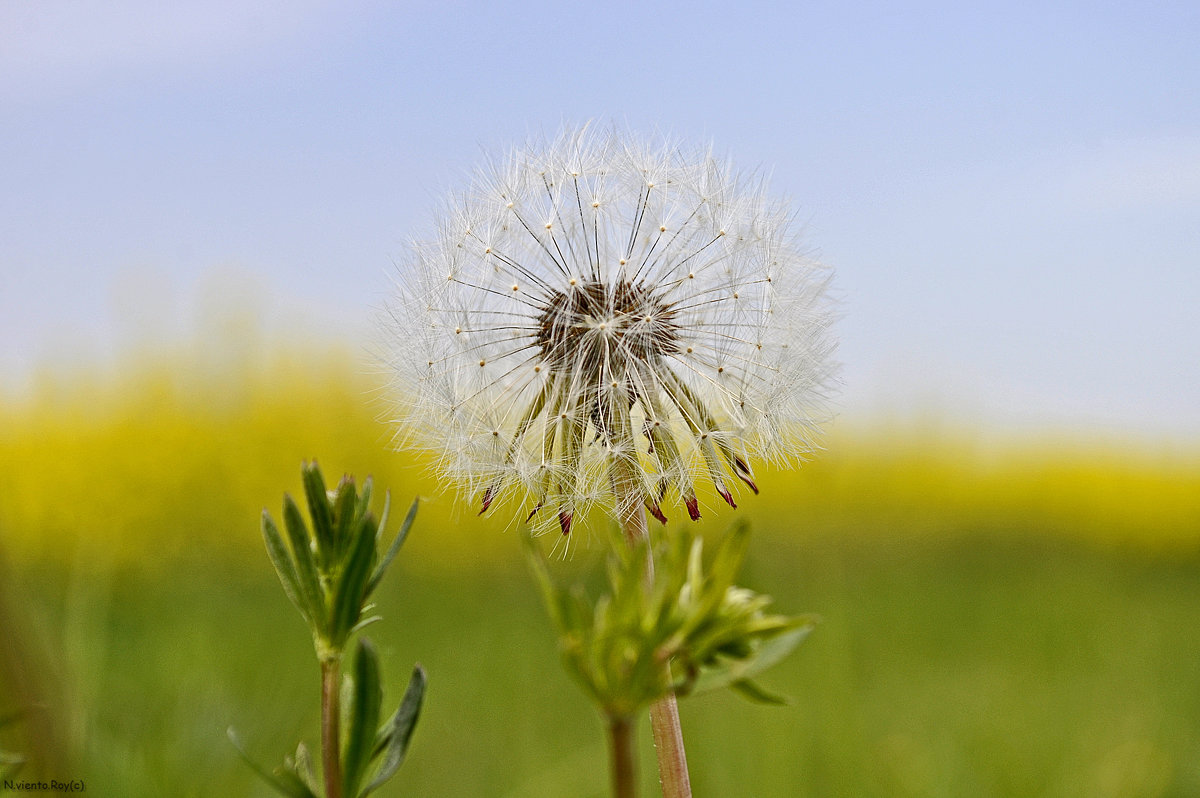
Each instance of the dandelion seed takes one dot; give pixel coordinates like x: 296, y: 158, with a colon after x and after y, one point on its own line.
x: 679, y: 311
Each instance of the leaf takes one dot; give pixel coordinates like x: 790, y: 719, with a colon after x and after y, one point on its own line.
x: 284, y: 567
x: 722, y: 572
x: 364, y: 717
x: 769, y: 653
x: 752, y: 691
x: 365, y: 504
x: 401, y: 536
x: 365, y: 622
x: 728, y: 560
x: 551, y: 595
x: 303, y: 767
x: 344, y: 513
x: 319, y: 510
x: 351, y: 586
x: 399, y: 729
x: 738, y: 632
x: 285, y: 781
x: 364, y: 500
x: 306, y: 567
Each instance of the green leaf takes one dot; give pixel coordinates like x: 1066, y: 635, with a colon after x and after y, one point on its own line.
x: 344, y: 513
x: 728, y: 560
x: 302, y: 766
x: 320, y: 511
x: 695, y: 566
x: 364, y: 718
x: 752, y: 691
x: 364, y: 504
x: 769, y: 653
x: 365, y: 622
x: 292, y: 782
x: 306, y: 568
x: 284, y: 567
x: 738, y: 632
x: 398, y: 731
x: 364, y: 501
x: 722, y: 572
x: 401, y: 536
x: 350, y: 591
x: 551, y: 595
x: 284, y: 781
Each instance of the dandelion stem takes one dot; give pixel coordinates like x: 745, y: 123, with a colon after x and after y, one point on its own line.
x: 620, y: 743
x: 330, y: 746
x: 664, y: 714
x: 668, y: 746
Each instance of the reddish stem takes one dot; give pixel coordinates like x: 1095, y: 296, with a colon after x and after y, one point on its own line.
x: 330, y: 746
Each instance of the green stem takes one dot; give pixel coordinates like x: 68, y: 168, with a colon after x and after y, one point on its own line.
x: 620, y: 744
x: 330, y: 746
x: 664, y: 713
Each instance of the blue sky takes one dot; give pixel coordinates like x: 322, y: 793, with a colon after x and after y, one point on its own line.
x: 1009, y: 193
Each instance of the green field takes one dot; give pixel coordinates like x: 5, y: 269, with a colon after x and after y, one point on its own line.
x: 996, y: 622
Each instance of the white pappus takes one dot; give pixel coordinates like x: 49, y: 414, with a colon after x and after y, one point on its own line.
x: 601, y: 299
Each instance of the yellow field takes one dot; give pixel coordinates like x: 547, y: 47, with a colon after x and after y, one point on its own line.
x: 154, y: 463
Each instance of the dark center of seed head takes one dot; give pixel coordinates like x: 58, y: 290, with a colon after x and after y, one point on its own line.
x: 594, y: 323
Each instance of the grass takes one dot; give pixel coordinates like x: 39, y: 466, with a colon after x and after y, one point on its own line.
x: 1012, y: 623
x: 977, y: 667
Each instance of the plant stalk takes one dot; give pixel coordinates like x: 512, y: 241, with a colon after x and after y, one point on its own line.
x: 330, y: 713
x: 620, y: 744
x: 668, y: 746
x: 664, y: 713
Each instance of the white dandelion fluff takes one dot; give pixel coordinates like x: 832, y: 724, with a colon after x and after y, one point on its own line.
x: 601, y: 301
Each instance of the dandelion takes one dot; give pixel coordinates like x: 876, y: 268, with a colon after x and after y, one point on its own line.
x: 601, y: 319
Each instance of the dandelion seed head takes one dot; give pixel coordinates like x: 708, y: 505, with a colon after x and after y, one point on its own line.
x: 618, y: 299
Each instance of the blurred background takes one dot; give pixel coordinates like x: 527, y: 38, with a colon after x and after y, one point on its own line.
x: 203, y: 206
